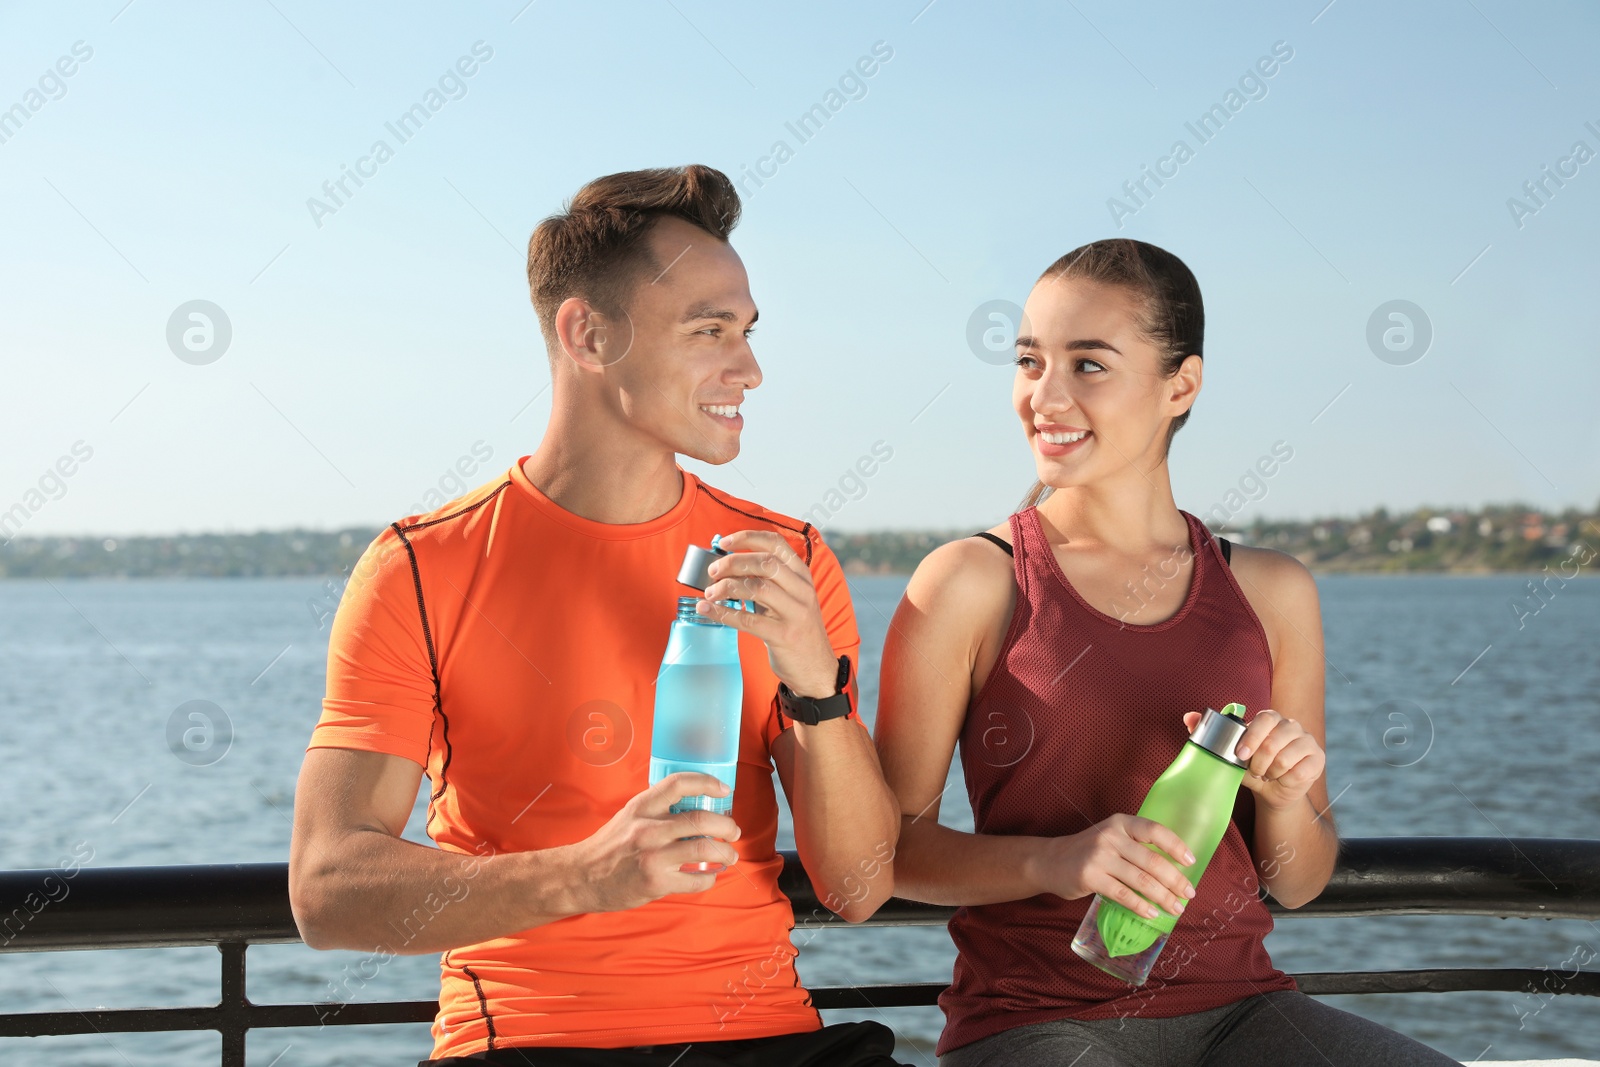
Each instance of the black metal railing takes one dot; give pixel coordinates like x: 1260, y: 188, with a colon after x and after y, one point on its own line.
x: 233, y: 906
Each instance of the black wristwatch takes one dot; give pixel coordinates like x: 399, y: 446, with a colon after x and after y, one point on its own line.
x: 811, y: 710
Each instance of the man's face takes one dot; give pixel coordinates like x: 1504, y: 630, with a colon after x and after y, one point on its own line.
x: 686, y: 360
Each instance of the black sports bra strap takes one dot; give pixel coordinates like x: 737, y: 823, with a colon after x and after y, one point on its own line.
x: 1227, y: 550
x: 986, y: 535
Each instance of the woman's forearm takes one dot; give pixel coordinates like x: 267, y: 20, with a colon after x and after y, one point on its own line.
x: 1295, y: 851
x: 938, y: 865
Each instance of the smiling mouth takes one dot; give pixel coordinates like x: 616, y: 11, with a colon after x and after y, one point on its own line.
x: 1064, y: 438
x: 725, y: 412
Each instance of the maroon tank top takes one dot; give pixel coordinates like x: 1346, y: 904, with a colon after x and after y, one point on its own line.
x: 1079, y: 716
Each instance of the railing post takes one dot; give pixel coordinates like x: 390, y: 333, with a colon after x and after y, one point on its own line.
x: 231, y: 1018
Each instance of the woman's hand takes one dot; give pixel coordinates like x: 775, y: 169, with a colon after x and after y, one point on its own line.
x: 1284, y: 759
x: 1111, y: 858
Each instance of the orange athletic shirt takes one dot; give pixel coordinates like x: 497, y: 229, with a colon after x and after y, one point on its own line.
x: 510, y: 648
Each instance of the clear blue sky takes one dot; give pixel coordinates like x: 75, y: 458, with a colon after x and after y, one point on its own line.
x: 370, y: 353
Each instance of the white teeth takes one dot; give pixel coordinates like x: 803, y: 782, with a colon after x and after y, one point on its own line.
x: 727, y: 411
x: 1064, y: 438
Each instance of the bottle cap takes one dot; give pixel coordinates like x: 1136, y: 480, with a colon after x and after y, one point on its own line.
x: 696, y: 560
x: 1219, y: 731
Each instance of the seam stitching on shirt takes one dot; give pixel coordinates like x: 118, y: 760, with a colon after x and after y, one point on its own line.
x: 433, y: 668
x: 483, y: 1003
x: 454, y: 514
x: 441, y: 720
x: 803, y: 531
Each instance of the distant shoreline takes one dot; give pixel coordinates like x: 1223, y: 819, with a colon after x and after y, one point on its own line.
x: 1499, y: 540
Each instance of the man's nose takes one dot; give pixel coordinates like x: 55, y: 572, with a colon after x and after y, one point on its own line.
x: 746, y: 371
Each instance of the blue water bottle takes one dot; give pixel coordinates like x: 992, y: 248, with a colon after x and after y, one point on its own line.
x: 699, y: 694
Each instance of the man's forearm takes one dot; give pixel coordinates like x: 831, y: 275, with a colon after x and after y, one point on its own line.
x: 1295, y: 852
x: 846, y: 822
x: 383, y: 893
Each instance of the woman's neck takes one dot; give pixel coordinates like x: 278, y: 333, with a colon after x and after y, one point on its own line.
x: 1130, y: 515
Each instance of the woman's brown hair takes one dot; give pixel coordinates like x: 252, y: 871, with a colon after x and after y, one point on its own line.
x: 1171, y: 315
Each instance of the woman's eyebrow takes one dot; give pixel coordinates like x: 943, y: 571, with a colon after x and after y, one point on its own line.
x: 1092, y: 344
x: 1087, y: 344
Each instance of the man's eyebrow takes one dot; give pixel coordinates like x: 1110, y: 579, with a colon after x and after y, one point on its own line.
x: 1087, y: 344
x: 711, y: 311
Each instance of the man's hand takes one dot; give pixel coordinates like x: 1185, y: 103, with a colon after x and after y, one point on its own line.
x: 761, y: 567
x: 639, y: 854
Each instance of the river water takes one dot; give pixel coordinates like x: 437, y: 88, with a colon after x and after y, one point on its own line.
x: 1497, y: 736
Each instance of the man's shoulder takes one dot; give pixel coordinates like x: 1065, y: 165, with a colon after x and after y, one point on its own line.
x: 805, y: 538
x: 459, y: 521
x: 462, y: 507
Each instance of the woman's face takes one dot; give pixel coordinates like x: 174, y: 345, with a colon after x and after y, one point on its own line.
x: 1089, y: 388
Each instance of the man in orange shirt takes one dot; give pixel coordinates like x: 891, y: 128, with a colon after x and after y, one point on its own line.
x: 507, y: 646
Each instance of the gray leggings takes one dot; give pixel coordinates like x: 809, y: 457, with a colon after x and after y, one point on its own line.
x: 1284, y: 1028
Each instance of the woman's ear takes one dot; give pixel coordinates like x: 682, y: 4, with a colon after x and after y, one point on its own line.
x: 1185, y: 385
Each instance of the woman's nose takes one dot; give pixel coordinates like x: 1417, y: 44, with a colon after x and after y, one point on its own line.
x: 1052, y: 395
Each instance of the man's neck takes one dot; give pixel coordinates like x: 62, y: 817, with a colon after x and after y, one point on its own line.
x: 604, y: 476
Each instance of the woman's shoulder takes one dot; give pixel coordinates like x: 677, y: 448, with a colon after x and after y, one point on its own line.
x: 1278, y: 586
x: 1274, y: 571
x: 965, y: 575
x: 973, y: 553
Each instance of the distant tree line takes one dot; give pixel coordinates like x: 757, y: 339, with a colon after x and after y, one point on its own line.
x: 1496, y: 538
x: 1507, y: 537
x: 264, y: 554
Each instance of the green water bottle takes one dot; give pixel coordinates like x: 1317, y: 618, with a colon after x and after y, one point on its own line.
x: 1193, y: 798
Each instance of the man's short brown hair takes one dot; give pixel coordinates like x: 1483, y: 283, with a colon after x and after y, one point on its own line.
x: 596, y: 248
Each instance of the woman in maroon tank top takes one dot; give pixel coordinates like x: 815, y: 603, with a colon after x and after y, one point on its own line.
x: 1069, y: 672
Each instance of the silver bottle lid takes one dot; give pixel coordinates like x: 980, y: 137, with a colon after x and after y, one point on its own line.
x: 696, y: 560
x: 1219, y: 732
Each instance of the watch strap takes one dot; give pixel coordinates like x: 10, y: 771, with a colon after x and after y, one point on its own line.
x: 812, y: 710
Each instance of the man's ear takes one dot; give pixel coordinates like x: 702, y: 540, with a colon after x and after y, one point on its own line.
x: 589, y: 337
